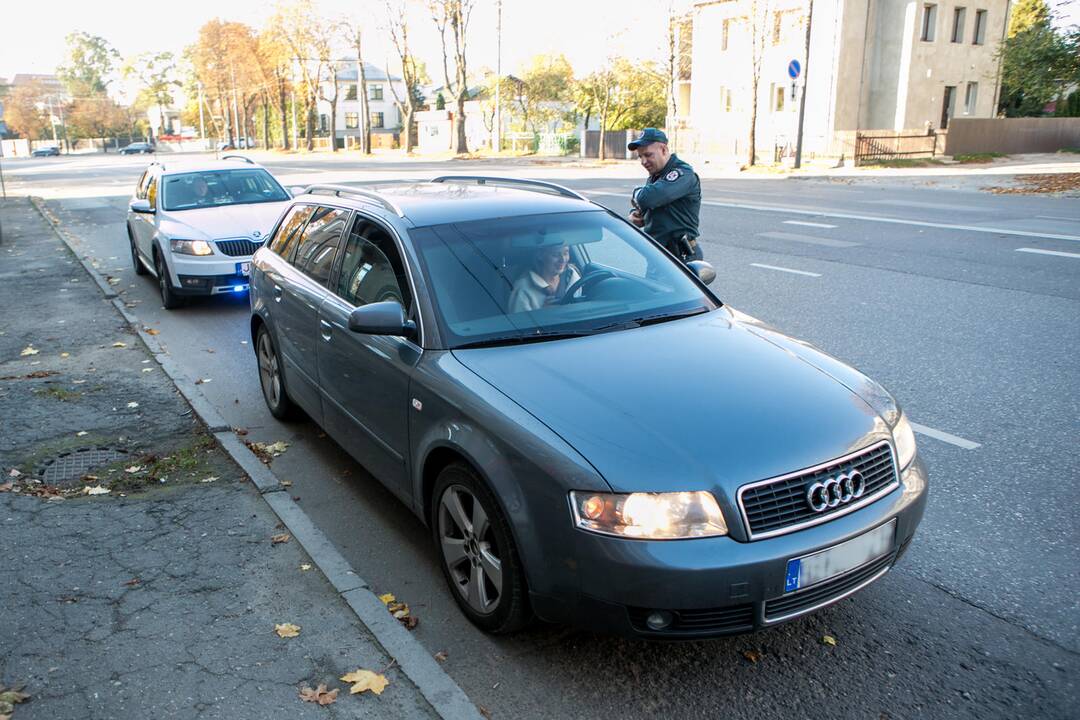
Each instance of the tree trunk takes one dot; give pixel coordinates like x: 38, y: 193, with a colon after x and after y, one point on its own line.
x: 361, y: 95
x: 408, y: 129
x: 460, y: 145
x: 752, y: 140
x: 333, y: 113
x: 266, y: 119
x: 603, y: 133
x: 309, y: 125
x: 283, y: 112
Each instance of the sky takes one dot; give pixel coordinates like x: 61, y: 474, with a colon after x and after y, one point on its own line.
x: 586, y: 31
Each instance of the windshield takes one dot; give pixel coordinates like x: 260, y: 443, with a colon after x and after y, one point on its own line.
x: 213, y: 188
x: 545, y: 276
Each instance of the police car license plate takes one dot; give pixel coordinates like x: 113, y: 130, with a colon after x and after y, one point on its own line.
x: 243, y: 268
x: 824, y: 564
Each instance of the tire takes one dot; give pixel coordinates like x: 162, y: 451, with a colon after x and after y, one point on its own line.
x: 140, y: 269
x: 483, y: 569
x: 271, y: 379
x: 169, y: 299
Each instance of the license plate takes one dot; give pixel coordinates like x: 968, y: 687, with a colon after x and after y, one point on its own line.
x: 243, y: 268
x: 824, y: 564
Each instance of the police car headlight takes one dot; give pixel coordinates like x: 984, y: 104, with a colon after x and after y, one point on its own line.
x: 190, y: 247
x: 649, y: 516
x: 904, y: 440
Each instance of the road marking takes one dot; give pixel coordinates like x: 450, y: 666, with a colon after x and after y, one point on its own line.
x: 1058, y: 217
x: 808, y: 239
x: 944, y: 437
x: 784, y: 269
x: 1048, y: 252
x: 809, y: 224
x: 918, y: 204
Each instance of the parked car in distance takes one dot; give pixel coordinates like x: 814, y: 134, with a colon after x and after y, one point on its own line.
x: 137, y: 148
x: 590, y: 435
x: 238, y: 144
x: 47, y: 151
x: 194, y: 226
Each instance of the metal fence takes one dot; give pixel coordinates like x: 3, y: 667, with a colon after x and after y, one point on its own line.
x: 869, y: 148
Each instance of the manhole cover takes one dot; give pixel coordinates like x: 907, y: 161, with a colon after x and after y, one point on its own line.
x: 67, y: 469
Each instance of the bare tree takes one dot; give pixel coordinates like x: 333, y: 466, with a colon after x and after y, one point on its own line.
x: 453, y: 15
x: 760, y: 10
x: 306, y: 34
x: 398, y: 26
x: 332, y: 98
x: 353, y: 32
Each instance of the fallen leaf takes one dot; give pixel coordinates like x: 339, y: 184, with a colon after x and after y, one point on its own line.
x: 133, y: 404
x: 287, y: 630
x: 6, y: 487
x: 305, y: 567
x: 148, y: 369
x: 484, y: 711
x: 387, y: 598
x: 133, y: 469
x: 152, y: 331
x: 81, y: 433
x: 286, y: 483
x: 365, y: 680
x: 751, y: 655
x: 29, y: 350
x: 282, y: 538
x: 240, y: 431
x: 209, y: 479
x: 319, y: 695
x: 14, y: 473
x: 829, y: 640
x: 132, y: 582
x: 276, y: 448
x: 65, y: 355
x: 114, y: 281
x: 203, y: 381
x: 96, y: 490
x: 119, y: 345
x: 441, y: 656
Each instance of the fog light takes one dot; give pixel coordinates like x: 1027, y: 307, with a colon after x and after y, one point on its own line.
x: 659, y: 619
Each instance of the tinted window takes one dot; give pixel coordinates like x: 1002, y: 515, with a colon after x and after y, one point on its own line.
x: 140, y: 189
x: 151, y: 192
x: 372, y: 269
x: 289, y: 230
x: 320, y: 242
x: 221, y: 187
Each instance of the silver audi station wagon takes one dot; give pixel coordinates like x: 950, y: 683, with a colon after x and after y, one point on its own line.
x: 589, y: 433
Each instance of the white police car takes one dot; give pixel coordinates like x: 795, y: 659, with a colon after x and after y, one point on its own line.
x: 195, y: 226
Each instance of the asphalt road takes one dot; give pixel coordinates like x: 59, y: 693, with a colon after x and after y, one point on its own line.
x: 917, y: 283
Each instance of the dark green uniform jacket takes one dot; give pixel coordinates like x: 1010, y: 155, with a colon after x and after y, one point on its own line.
x: 671, y: 202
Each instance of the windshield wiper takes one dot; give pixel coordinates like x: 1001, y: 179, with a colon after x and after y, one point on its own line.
x: 664, y: 317
x: 522, y: 339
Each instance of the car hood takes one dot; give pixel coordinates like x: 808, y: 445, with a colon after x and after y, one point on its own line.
x: 704, y: 403
x: 225, y: 221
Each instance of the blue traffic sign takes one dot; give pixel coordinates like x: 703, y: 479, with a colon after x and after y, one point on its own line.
x: 794, y: 68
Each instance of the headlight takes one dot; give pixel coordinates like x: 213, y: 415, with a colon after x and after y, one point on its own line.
x: 649, y: 516
x: 191, y: 247
x: 904, y: 439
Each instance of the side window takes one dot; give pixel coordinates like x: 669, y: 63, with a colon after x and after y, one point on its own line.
x: 372, y: 269
x: 289, y: 230
x: 320, y: 242
x: 151, y: 192
x: 140, y: 188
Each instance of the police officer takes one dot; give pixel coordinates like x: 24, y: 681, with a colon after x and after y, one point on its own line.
x: 667, y: 207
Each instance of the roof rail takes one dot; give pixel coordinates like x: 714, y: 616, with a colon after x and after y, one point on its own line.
x: 246, y: 159
x: 524, y: 184
x: 341, y: 190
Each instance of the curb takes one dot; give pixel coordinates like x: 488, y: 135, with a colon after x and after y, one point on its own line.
x: 443, y: 694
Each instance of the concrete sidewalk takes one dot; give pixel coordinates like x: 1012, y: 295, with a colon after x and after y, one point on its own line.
x: 158, y: 598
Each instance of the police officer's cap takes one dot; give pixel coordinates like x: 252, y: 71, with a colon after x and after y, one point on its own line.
x: 648, y: 136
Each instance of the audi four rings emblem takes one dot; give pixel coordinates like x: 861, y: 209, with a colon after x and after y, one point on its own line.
x: 835, y: 491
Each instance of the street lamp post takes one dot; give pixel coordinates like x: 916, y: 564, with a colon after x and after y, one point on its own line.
x: 805, y: 84
x: 498, y: 79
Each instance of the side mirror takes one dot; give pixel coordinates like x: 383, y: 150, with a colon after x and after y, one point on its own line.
x: 141, y: 206
x: 703, y: 270
x: 297, y: 190
x: 382, y: 318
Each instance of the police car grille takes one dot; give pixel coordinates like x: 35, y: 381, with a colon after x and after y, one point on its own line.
x: 238, y: 248
x: 773, y: 507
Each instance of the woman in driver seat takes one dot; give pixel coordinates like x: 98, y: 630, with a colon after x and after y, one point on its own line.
x: 546, y: 281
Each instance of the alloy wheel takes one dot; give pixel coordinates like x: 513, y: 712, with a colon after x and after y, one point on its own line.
x: 269, y: 372
x: 469, y: 548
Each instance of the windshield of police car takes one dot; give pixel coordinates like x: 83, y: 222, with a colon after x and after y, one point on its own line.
x: 215, y: 188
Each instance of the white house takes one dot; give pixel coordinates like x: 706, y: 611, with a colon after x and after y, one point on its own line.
x: 385, y: 119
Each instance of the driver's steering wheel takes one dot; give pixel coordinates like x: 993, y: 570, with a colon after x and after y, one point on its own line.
x: 584, y: 283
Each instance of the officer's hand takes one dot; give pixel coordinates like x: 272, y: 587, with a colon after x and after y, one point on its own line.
x: 635, y: 217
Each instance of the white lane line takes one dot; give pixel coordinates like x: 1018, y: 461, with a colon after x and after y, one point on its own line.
x: 944, y: 437
x: 808, y: 239
x: 893, y: 221
x: 809, y: 224
x: 918, y: 204
x: 1058, y: 217
x: 784, y: 269
x: 1048, y: 252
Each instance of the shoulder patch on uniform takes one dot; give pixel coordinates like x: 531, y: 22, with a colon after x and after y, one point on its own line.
x: 672, y: 176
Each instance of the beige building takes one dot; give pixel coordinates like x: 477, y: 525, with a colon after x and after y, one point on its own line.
x: 875, y: 65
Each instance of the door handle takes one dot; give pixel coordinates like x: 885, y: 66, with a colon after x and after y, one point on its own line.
x: 326, y: 329
x: 277, y: 293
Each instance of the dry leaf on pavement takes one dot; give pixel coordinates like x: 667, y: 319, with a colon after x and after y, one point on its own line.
x: 387, y: 598
x: 280, y: 538
x: 96, y: 490
x: 751, y: 655
x: 319, y: 695
x: 6, y: 487
x: 203, y: 381
x: 29, y: 350
x: 365, y: 680
x: 829, y: 640
x: 287, y: 630
x: 14, y: 473
x: 81, y: 433
x: 133, y: 469
x: 152, y: 331
x: 119, y: 345
x: 305, y: 567
x: 210, y: 479
x: 441, y: 656
x: 133, y: 404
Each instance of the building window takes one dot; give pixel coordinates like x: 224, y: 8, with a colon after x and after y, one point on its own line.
x: 725, y: 100
x: 376, y: 120
x: 929, y: 20
x: 350, y: 92
x: 776, y: 23
x: 777, y: 95
x: 725, y: 35
x: 980, y: 28
x: 958, y: 24
x: 352, y: 121
x: 971, y: 97
x: 375, y: 92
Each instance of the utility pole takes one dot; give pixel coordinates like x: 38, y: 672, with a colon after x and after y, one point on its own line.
x: 52, y: 121
x: 202, y: 127
x: 235, y: 109
x: 805, y: 83
x: 498, y: 78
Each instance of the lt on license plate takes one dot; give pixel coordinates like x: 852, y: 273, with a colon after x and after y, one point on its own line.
x: 824, y: 564
x: 243, y: 268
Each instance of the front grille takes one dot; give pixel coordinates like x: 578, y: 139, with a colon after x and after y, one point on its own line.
x: 773, y: 506
x: 732, y: 619
x: 823, y: 593
x: 238, y: 248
